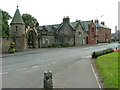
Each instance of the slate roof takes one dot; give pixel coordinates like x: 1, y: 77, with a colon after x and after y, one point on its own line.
x: 48, y: 27
x: 74, y: 24
x: 17, y: 19
x: 85, y: 24
x: 101, y: 25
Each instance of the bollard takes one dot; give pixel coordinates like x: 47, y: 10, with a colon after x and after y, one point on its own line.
x: 116, y: 48
x: 48, y: 79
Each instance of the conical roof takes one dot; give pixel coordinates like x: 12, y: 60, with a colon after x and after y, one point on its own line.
x: 17, y: 19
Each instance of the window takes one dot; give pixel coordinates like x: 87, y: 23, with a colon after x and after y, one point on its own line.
x: 92, y: 29
x: 43, y: 40
x: 79, y: 33
x: 16, y: 28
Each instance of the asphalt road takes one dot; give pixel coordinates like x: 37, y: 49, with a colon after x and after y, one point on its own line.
x: 71, y: 67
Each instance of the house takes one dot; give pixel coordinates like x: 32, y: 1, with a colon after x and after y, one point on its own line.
x: 104, y: 32
x: 90, y: 29
x: 46, y: 35
x: 66, y: 32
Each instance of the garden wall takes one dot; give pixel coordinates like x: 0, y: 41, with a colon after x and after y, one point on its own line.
x: 6, y: 44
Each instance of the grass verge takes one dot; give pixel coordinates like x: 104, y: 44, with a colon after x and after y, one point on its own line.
x: 108, y: 69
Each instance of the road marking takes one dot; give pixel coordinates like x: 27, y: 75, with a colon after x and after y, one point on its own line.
x: 87, y: 56
x: 21, y: 69
x: 3, y: 73
x: 41, y: 65
x: 53, y: 62
x: 96, y: 76
x: 48, y: 64
x: 35, y: 66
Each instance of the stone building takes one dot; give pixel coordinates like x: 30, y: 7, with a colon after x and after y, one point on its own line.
x: 18, y: 33
x: 46, y: 36
x: 66, y: 32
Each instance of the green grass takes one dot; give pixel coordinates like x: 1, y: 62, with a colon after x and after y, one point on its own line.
x: 108, y: 68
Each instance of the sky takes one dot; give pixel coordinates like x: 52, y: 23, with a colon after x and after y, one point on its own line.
x: 49, y: 12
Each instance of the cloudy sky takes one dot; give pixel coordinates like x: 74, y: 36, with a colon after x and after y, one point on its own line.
x: 49, y: 12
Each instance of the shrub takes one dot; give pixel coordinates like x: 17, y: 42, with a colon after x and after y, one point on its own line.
x: 65, y: 45
x: 60, y: 45
x: 11, y: 50
x: 102, y: 52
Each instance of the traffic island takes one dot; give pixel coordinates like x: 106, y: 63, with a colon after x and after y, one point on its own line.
x: 106, y: 67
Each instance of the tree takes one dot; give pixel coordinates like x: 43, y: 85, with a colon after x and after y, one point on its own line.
x: 5, y: 26
x: 29, y: 20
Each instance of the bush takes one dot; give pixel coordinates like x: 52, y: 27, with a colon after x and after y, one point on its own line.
x: 11, y: 50
x: 65, y: 45
x: 60, y: 45
x: 54, y: 45
x: 99, y: 53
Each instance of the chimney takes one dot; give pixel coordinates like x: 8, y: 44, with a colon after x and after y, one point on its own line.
x: 97, y: 21
x: 66, y: 20
x: 102, y: 23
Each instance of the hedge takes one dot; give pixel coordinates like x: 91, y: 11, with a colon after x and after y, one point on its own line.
x: 60, y: 45
x: 102, y: 52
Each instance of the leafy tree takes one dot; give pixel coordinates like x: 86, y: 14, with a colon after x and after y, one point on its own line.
x: 5, y: 26
x: 30, y: 20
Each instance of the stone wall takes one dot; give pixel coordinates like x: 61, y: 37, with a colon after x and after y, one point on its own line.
x: 5, y: 44
x: 45, y: 41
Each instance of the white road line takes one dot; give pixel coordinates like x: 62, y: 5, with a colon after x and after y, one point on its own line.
x: 3, y: 73
x: 96, y: 76
x: 48, y: 64
x: 41, y: 65
x: 53, y: 62
x: 87, y: 56
x: 35, y: 66
x: 21, y: 69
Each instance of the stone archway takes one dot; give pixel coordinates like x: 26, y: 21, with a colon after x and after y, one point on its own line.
x: 32, y: 39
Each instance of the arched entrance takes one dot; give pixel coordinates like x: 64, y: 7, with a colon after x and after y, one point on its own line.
x: 32, y: 37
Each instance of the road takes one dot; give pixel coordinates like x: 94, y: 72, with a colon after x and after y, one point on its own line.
x: 71, y: 67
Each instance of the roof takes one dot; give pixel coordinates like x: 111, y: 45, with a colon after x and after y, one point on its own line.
x: 57, y: 26
x: 48, y: 27
x: 17, y: 19
x: 74, y: 24
x: 85, y: 24
x: 101, y: 25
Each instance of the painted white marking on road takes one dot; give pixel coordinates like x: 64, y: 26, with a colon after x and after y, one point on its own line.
x: 53, y: 62
x: 96, y: 77
x: 87, y: 56
x: 41, y: 65
x: 3, y: 73
x: 35, y: 66
x: 48, y: 64
x: 21, y: 69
